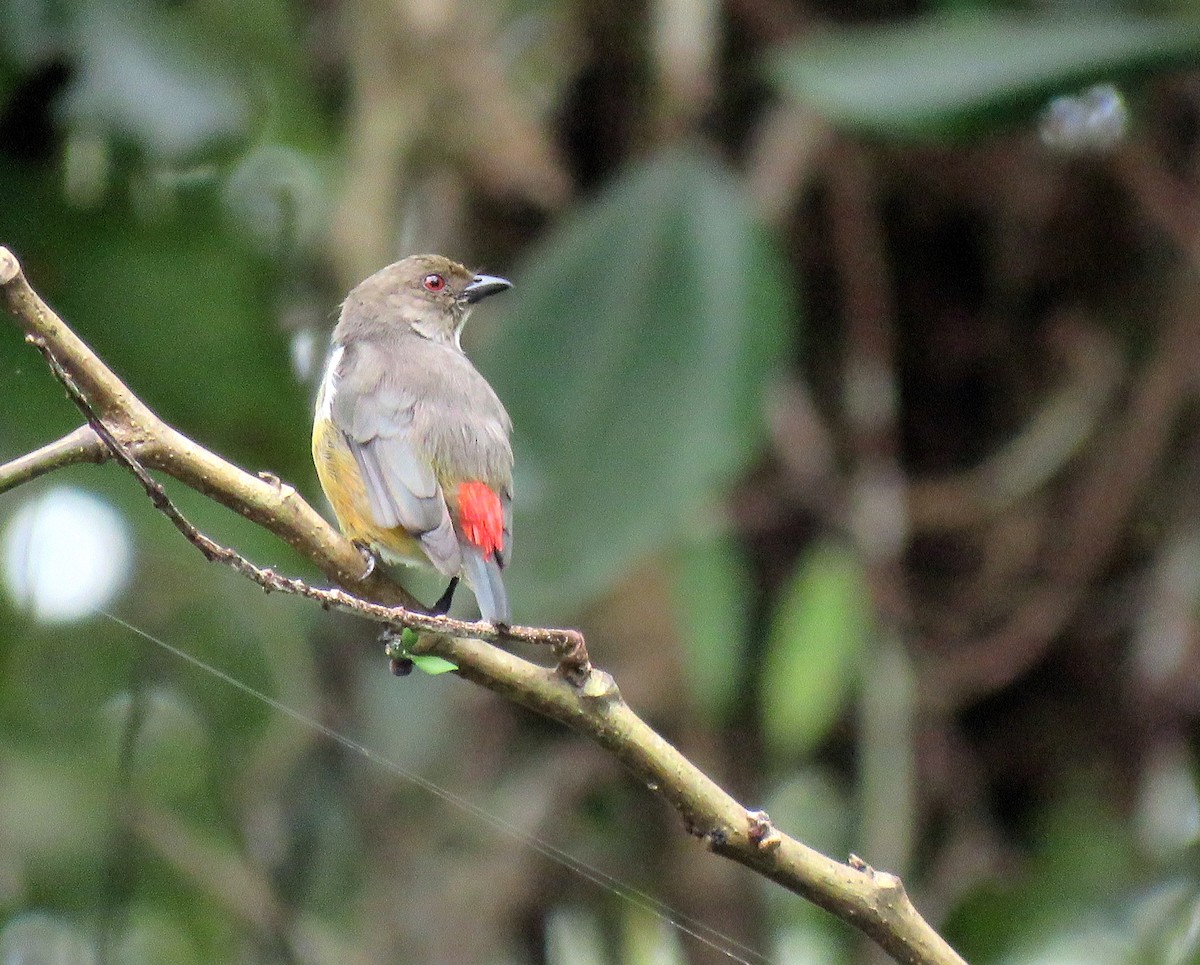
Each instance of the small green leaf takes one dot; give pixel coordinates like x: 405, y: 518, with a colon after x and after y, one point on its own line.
x: 818, y: 635
x: 960, y: 72
x: 425, y: 662
x: 428, y: 663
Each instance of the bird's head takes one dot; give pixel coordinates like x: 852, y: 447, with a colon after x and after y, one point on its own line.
x: 428, y: 294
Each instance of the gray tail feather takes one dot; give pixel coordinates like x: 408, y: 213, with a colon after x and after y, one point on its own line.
x: 483, y: 577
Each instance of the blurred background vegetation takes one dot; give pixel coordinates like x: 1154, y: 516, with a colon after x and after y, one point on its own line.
x: 853, y: 362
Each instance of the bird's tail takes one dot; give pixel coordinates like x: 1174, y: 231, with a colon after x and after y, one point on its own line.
x: 483, y: 577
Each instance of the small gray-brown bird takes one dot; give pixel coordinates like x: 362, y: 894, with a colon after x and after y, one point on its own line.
x: 411, y: 443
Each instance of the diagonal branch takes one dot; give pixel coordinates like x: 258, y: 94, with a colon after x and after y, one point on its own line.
x: 577, y: 695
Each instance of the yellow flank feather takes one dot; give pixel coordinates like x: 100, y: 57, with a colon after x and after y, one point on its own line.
x: 338, y: 473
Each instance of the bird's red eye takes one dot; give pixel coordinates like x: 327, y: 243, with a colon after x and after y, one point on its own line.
x: 433, y: 283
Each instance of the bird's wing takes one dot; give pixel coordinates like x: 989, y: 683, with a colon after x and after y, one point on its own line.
x: 402, y: 490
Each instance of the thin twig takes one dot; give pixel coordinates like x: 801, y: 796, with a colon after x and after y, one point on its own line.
x: 78, y: 445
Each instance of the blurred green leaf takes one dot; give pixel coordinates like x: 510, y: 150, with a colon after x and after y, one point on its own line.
x: 151, y: 936
x: 1074, y: 888
x: 39, y: 699
x: 187, y: 139
x: 1094, y: 941
x: 648, y: 937
x: 816, y: 942
x: 714, y: 589
x: 171, y: 303
x: 37, y: 937
x: 818, y: 635
x: 138, y: 80
x: 948, y: 73
x: 574, y: 937
x: 55, y: 814
x: 171, y: 755
x: 810, y: 802
x: 175, y: 79
x: 1165, y: 917
x: 639, y: 340
x: 888, y: 707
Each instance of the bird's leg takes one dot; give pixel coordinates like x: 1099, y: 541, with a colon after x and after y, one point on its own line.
x: 440, y: 608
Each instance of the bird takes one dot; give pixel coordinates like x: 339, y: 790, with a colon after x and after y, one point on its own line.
x: 411, y: 444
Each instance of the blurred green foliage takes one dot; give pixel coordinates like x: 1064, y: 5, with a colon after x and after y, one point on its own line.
x: 966, y: 72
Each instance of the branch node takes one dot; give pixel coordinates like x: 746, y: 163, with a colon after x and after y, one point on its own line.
x: 888, y: 882
x: 762, y: 833
x: 574, y: 664
x: 890, y: 886
x: 596, y: 687
x: 285, y: 490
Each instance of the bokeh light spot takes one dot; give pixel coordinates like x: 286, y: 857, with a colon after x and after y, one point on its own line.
x: 66, y: 554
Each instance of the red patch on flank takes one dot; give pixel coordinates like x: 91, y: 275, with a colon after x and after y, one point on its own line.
x: 482, y: 517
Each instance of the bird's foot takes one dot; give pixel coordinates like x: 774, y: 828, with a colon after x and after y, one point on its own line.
x: 369, y: 557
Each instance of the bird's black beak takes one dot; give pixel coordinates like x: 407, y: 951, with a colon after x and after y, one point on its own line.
x: 484, y: 285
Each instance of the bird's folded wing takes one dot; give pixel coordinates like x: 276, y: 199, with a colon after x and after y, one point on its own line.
x: 401, y: 487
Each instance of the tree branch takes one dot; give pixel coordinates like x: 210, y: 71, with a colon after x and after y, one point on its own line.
x: 576, y: 694
x: 80, y: 445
